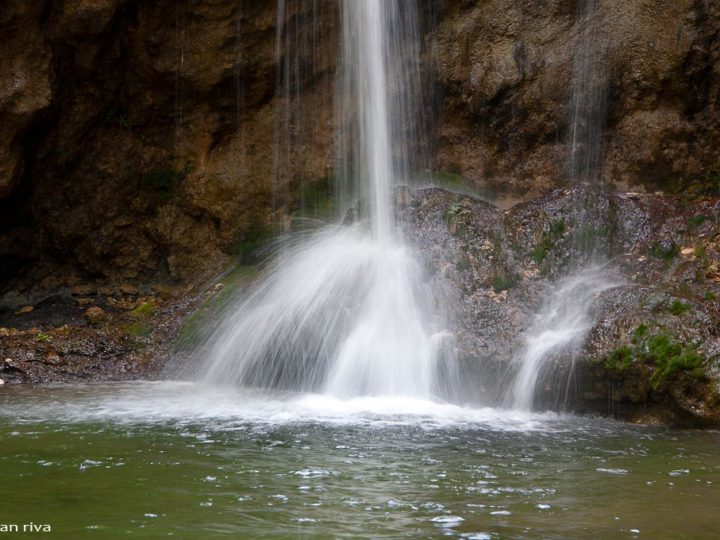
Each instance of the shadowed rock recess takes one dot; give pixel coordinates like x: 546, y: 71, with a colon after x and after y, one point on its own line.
x: 150, y: 150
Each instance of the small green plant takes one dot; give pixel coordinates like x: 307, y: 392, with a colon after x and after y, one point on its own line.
x: 697, y: 220
x: 455, y: 209
x: 664, y: 252
x: 620, y: 359
x: 43, y: 337
x: 548, y: 240
x: 711, y: 296
x: 677, y: 307
x: 671, y: 357
x: 699, y: 251
x: 667, y: 356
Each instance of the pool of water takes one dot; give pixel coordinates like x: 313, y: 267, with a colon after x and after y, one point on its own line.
x: 153, y: 460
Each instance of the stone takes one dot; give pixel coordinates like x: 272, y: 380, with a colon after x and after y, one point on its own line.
x: 52, y: 359
x: 23, y: 310
x: 82, y: 290
x: 127, y: 288
x: 96, y: 315
x: 2, y: 382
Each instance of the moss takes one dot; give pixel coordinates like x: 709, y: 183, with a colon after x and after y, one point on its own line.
x: 548, y: 240
x: 195, y: 327
x: 145, y: 309
x: 317, y: 198
x: 711, y: 296
x: 247, y: 245
x: 667, y: 356
x: 139, y: 328
x: 162, y: 183
x: 671, y: 357
x: 677, y: 307
x: 141, y: 323
x: 666, y: 253
x: 699, y: 251
x: 696, y: 221
x: 504, y: 281
x: 619, y: 360
x: 695, y: 187
x: 451, y: 181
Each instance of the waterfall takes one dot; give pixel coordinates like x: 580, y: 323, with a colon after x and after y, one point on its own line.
x: 564, y: 319
x: 560, y: 326
x: 347, y: 310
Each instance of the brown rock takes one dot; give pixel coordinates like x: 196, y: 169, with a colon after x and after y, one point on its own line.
x: 96, y: 315
x: 82, y: 290
x: 127, y: 288
x: 23, y: 310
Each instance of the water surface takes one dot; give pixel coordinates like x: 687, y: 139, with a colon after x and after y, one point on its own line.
x: 152, y: 460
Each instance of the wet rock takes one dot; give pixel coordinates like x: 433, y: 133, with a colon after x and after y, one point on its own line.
x: 127, y: 288
x: 96, y: 315
x: 82, y: 290
x: 497, y: 267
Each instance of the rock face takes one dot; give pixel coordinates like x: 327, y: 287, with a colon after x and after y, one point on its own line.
x: 654, y: 349
x: 137, y: 141
x: 150, y: 141
x: 508, y: 74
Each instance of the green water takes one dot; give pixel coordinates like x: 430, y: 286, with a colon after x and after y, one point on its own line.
x: 170, y: 460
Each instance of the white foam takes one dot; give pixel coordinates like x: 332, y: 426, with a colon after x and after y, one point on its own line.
x: 188, y: 403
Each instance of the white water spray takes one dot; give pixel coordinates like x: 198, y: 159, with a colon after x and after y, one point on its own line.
x: 346, y: 312
x: 560, y: 326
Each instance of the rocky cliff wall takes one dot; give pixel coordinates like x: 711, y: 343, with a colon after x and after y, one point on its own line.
x: 139, y: 140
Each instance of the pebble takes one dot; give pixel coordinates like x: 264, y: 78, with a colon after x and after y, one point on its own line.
x: 95, y: 315
x: 2, y: 382
x: 128, y: 289
x: 82, y: 290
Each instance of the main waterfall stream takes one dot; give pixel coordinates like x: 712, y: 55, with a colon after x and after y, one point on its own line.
x: 347, y: 312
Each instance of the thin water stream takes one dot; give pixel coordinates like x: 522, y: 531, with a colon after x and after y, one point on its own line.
x: 155, y: 460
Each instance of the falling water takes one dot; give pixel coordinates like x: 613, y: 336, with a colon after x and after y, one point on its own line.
x: 563, y: 321
x: 589, y: 99
x: 560, y: 326
x: 347, y: 311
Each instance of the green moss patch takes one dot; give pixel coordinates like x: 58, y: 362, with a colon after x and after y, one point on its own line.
x: 317, y: 198
x: 677, y: 307
x: 667, y: 356
x: 196, y: 326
